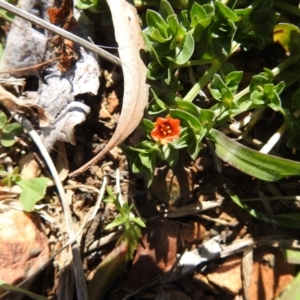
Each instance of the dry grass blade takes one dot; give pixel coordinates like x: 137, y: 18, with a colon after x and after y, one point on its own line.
x: 68, y: 35
x: 130, y: 41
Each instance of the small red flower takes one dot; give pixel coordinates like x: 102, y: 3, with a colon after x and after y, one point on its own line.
x: 166, y: 130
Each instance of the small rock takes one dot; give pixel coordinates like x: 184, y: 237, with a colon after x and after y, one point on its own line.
x: 24, y: 246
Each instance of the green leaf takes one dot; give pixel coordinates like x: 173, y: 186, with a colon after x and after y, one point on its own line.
x: 285, y: 220
x: 293, y: 291
x: 3, y: 120
x: 146, y: 126
x: 156, y: 71
x: 292, y: 121
x: 186, y: 118
x: 109, y: 270
x: 84, y: 5
x: 118, y: 221
x: 6, y: 286
x: 155, y: 20
x: 292, y: 256
x: 260, y: 165
x: 194, y: 146
x: 178, y: 32
x: 185, y: 50
x: 170, y: 154
x: 182, y: 142
x: 139, y: 222
x: 198, y: 12
x: 233, y: 80
x: 33, y: 190
x: 258, y: 82
x: 129, y: 151
x: 145, y: 159
x: 220, y: 91
x: 3, y: 173
x: 9, y: 132
x: 165, y: 9
x: 206, y: 118
x: 188, y: 107
x: 296, y: 99
x: 224, y: 12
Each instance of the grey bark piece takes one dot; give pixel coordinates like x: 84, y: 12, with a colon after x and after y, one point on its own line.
x: 27, y: 47
x: 62, y: 129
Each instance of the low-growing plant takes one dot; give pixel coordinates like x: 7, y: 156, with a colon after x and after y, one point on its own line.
x: 8, y: 131
x: 33, y: 190
x: 115, y: 262
x: 197, y: 42
x: 126, y: 219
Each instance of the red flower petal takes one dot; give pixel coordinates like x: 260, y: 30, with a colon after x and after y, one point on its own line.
x: 166, y: 130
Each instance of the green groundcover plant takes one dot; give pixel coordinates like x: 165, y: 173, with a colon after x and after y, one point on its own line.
x: 199, y: 40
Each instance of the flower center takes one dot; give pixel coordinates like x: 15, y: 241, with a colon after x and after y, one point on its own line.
x: 165, y: 129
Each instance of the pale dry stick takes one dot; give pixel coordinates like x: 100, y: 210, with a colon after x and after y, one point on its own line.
x: 237, y: 246
x: 93, y: 211
x: 277, y: 136
x: 247, y: 268
x: 105, y: 240
x: 192, y: 209
x: 65, y: 34
x: 250, y: 140
x: 216, y: 220
x: 78, y: 268
x: 249, y: 122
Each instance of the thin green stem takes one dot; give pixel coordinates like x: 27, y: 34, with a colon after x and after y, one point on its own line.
x: 286, y: 63
x: 277, y: 70
x: 198, y: 86
x: 196, y: 62
x: 207, y: 76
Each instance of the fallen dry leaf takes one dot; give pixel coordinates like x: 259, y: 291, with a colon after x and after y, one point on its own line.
x: 59, y: 16
x: 130, y: 42
x: 156, y: 254
x: 29, y: 166
x: 16, y: 105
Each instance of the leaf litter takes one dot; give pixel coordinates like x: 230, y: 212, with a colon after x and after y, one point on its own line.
x: 55, y: 98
